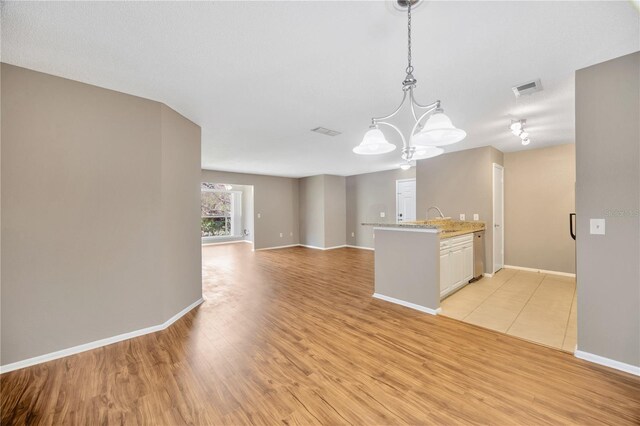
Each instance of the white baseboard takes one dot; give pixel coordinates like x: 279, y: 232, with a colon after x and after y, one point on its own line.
x: 360, y: 247
x: 277, y: 247
x: 597, y: 359
x: 407, y: 304
x: 226, y: 242
x: 96, y: 344
x: 322, y: 248
x: 541, y: 271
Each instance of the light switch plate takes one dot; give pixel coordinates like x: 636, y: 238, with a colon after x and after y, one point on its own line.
x: 281, y: 235
x: 382, y: 214
x: 596, y: 226
x: 259, y: 215
x: 353, y: 234
x: 462, y: 216
x: 476, y: 216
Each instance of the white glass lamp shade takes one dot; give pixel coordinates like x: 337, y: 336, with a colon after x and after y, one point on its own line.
x: 438, y: 131
x: 405, y: 166
x: 526, y: 141
x: 374, y: 143
x: 423, y: 152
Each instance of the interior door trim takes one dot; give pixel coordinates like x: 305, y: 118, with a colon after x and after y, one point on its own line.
x: 495, y: 166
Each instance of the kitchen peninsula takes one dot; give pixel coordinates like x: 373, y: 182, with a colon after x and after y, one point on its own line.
x: 411, y: 267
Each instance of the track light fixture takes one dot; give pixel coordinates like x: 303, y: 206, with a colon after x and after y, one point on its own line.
x: 517, y: 128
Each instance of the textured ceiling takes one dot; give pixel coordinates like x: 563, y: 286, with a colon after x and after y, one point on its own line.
x: 257, y: 76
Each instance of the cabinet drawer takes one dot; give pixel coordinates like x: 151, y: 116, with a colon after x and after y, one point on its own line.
x: 467, y: 238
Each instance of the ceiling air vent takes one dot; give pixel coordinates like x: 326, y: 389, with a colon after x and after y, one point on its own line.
x: 527, y: 88
x: 324, y: 131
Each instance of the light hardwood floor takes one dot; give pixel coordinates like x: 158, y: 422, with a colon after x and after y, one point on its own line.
x: 537, y: 307
x: 293, y: 336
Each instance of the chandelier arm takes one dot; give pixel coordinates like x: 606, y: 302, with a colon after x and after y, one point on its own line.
x: 415, y: 126
x: 435, y: 104
x: 374, y: 120
x: 404, y: 141
x: 412, y: 102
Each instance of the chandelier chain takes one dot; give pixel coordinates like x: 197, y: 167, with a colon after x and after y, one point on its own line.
x: 409, y: 66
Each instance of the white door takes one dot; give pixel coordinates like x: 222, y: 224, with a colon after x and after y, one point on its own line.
x: 405, y: 200
x: 498, y: 217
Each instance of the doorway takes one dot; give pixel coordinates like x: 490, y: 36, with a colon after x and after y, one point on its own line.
x: 498, y: 217
x: 405, y: 200
x: 226, y: 213
x: 530, y: 289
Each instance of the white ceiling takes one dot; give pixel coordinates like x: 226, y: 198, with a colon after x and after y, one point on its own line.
x: 257, y: 76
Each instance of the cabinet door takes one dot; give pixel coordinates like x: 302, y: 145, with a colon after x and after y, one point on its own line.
x: 445, y: 268
x: 456, y: 267
x: 467, y: 255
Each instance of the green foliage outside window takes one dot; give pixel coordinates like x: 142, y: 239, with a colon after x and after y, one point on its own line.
x: 216, y: 206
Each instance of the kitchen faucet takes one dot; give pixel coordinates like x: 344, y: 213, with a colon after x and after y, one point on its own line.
x: 439, y: 211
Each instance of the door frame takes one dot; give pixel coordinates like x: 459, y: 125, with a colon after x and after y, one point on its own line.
x: 415, y: 194
x: 495, y: 166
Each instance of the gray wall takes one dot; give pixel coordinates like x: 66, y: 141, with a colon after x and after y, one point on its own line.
x: 335, y: 211
x: 407, y: 266
x: 323, y: 211
x: 180, y: 188
x: 366, y: 196
x: 539, y: 187
x: 274, y: 198
x: 100, y: 213
x: 312, y: 211
x: 460, y: 182
x: 608, y: 186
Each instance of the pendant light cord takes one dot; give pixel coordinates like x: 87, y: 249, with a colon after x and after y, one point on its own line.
x: 409, y: 66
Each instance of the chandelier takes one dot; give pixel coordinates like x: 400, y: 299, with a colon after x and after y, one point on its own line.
x: 425, y: 140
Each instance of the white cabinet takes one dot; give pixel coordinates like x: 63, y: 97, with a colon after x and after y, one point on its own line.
x: 467, y: 262
x: 456, y: 263
x: 444, y: 271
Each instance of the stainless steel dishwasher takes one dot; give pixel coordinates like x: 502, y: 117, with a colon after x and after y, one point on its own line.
x: 478, y: 255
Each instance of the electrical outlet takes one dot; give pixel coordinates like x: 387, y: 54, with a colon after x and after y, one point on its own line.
x: 281, y: 235
x: 291, y: 234
x: 382, y: 214
x: 353, y: 234
x: 596, y: 226
x: 476, y: 216
x: 462, y: 216
x: 259, y: 215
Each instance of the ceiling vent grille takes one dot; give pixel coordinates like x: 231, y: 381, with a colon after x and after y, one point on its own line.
x: 527, y: 88
x: 325, y: 131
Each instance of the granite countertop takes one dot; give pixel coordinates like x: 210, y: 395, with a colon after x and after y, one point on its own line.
x: 447, y: 228
x: 411, y: 225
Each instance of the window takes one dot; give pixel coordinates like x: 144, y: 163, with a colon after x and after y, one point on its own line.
x: 217, y: 210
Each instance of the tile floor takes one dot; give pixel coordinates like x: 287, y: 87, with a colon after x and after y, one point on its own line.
x: 530, y: 305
